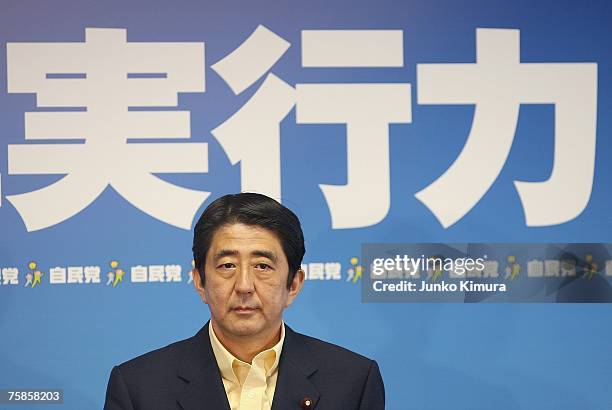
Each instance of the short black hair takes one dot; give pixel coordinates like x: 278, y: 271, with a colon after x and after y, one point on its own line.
x: 250, y: 209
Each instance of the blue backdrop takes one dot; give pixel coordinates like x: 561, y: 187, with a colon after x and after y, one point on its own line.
x: 432, y: 356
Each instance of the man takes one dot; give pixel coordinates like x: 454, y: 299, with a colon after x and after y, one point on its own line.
x: 248, y: 250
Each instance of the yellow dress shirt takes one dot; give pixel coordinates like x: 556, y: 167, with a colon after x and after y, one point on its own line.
x: 248, y: 386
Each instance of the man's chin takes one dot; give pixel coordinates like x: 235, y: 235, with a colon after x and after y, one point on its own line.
x: 245, y: 329
x: 245, y: 325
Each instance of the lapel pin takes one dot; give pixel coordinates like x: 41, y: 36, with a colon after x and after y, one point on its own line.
x: 306, y: 403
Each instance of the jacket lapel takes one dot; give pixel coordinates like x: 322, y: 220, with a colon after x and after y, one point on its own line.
x: 296, y: 366
x: 204, y: 389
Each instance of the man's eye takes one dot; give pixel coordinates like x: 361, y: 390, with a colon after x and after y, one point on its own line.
x: 226, y: 265
x: 263, y: 266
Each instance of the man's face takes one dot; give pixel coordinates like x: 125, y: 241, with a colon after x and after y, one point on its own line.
x: 246, y: 281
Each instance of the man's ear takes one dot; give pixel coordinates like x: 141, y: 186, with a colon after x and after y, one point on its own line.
x: 197, y: 283
x: 296, y: 286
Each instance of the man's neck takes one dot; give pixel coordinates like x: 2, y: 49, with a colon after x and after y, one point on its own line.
x: 246, y: 348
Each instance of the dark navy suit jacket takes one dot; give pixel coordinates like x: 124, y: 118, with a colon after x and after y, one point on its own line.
x: 184, y: 375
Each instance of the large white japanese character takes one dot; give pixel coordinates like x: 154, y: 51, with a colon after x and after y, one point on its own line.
x: 497, y: 84
x: 106, y: 75
x: 366, y: 109
x: 253, y: 132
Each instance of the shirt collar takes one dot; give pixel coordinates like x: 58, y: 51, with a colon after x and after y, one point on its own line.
x: 225, y: 360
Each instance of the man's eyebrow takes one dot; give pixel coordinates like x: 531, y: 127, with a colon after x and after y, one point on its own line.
x: 225, y: 252
x: 266, y: 254
x: 232, y: 252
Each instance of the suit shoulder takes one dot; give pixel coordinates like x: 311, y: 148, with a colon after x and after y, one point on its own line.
x: 334, y: 355
x: 340, y: 375
x: 158, y: 359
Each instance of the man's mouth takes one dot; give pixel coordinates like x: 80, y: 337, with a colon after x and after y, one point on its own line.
x: 244, y: 309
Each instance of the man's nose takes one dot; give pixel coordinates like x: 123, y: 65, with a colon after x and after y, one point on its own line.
x: 244, y: 282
